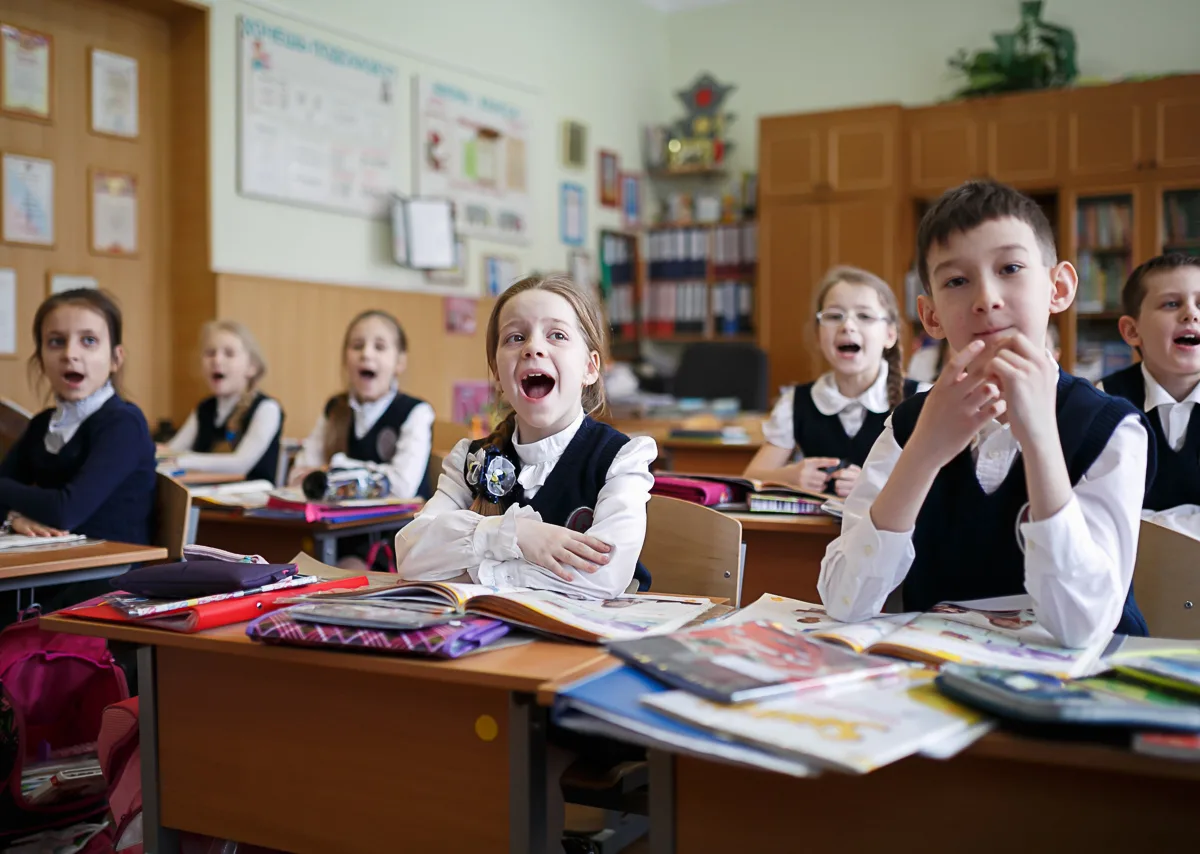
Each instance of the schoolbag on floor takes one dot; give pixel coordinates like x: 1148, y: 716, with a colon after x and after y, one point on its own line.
x: 53, y: 689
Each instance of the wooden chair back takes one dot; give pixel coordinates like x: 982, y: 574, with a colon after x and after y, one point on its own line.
x: 13, y: 421
x: 172, y: 516
x: 447, y: 434
x: 692, y: 550
x: 1166, y: 582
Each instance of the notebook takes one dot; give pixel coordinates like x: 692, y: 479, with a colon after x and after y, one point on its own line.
x: 21, y: 541
x: 1178, y: 670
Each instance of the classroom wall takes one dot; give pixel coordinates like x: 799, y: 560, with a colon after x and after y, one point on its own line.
x: 787, y: 56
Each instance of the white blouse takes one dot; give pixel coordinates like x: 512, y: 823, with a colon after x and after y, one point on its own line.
x: 256, y: 438
x: 1174, y: 415
x: 779, y: 428
x: 447, y: 539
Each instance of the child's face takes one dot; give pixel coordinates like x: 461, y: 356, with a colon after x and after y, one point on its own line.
x: 543, y: 362
x: 991, y: 281
x: 227, y: 365
x: 1167, y: 329
x: 77, y: 352
x: 856, y: 344
x: 373, y: 358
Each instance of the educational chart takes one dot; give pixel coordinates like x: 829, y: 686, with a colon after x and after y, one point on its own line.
x: 473, y: 148
x: 317, y: 122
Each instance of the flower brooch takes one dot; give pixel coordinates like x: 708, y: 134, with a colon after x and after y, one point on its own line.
x: 490, y: 473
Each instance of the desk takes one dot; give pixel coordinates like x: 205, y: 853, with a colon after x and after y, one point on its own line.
x: 279, y: 540
x: 383, y: 753
x: 1003, y: 794
x: 696, y: 455
x: 24, y: 569
x: 783, y: 553
x: 208, y: 478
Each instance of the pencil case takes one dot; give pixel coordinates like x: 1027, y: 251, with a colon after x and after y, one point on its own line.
x: 200, y: 578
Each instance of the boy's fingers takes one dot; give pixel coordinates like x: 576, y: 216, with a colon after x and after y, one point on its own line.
x: 959, y: 361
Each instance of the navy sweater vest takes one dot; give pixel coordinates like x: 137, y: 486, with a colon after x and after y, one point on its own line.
x: 819, y: 435
x: 209, y: 433
x: 1177, y: 480
x: 100, y: 484
x: 378, y: 445
x: 569, y: 495
x: 966, y: 540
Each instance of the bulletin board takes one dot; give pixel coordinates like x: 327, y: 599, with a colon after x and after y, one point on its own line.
x: 317, y: 121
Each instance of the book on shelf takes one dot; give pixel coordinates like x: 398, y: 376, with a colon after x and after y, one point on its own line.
x: 677, y: 253
x: 569, y: 616
x: 1181, y: 219
x: 733, y: 663
x: 1105, y: 225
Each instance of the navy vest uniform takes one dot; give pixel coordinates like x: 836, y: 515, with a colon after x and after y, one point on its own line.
x: 212, y: 437
x: 1177, y: 480
x: 966, y: 540
x: 378, y: 445
x: 569, y: 495
x: 820, y: 435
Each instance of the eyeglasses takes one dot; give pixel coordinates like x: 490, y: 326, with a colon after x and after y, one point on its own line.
x: 835, y: 317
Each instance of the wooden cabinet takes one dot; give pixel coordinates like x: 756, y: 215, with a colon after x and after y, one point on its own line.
x: 943, y: 148
x: 1172, y: 111
x: 1105, y: 133
x: 826, y: 154
x: 790, y: 265
x: 1020, y: 139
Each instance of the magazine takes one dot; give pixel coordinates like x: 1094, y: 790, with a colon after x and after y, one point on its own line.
x: 1178, y: 670
x: 813, y: 620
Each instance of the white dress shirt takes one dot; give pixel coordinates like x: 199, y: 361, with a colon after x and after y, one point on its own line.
x: 256, y: 439
x: 447, y: 539
x: 1174, y: 415
x: 413, y: 446
x: 1078, y: 563
x: 69, y: 416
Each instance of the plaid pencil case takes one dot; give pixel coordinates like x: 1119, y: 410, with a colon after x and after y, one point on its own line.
x: 444, y: 641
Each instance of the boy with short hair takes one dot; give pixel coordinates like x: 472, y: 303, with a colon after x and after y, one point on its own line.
x: 1161, y: 301
x: 1008, y: 476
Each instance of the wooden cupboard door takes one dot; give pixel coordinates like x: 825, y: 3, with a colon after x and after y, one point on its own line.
x: 1173, y: 107
x: 863, y: 233
x: 790, y: 155
x: 1021, y: 140
x: 943, y: 146
x: 790, y: 266
x: 862, y: 150
x: 1104, y: 135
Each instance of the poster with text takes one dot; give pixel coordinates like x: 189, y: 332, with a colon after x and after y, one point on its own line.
x: 473, y: 148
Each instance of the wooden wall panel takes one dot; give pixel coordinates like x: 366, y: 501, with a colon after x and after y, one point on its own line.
x: 301, y: 324
x: 77, y: 25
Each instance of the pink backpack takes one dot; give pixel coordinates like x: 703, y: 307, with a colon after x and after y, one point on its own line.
x: 53, y: 689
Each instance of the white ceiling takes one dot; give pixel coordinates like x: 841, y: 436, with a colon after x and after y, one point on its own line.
x: 669, y: 6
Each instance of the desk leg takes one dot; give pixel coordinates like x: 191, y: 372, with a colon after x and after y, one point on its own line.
x: 527, y: 762
x: 662, y: 802
x: 326, y: 548
x: 158, y: 839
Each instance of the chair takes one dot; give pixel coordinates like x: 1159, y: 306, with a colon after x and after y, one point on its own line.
x: 174, y: 526
x: 1166, y: 582
x: 13, y: 421
x: 288, y: 450
x: 693, y: 550
x: 713, y: 369
x: 447, y: 434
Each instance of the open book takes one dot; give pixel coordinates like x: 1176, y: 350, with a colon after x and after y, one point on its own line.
x: 572, y: 617
x: 995, y: 633
x: 762, y: 491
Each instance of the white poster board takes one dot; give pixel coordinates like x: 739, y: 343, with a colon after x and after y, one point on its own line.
x: 472, y: 147
x: 317, y: 122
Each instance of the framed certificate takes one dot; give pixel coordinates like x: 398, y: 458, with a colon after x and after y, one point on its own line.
x: 26, y: 73
x: 113, y: 105
x: 113, y: 213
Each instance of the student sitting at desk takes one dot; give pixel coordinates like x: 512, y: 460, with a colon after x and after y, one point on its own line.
x: 1009, y: 475
x: 1161, y: 301
x: 237, y: 430
x: 552, y: 498
x: 838, y: 417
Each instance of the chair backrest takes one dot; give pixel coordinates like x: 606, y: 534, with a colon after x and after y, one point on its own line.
x: 172, y: 515
x: 692, y: 550
x: 447, y: 434
x: 1166, y: 582
x: 724, y: 369
x: 13, y: 421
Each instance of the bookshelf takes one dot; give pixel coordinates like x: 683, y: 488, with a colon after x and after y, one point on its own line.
x: 1181, y: 221
x: 1103, y: 247
x: 620, y: 291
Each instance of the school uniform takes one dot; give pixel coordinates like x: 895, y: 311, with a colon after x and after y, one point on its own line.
x: 972, y: 538
x: 819, y: 421
x: 588, y: 477
x: 234, y: 435
x: 1176, y: 426
x: 393, y: 435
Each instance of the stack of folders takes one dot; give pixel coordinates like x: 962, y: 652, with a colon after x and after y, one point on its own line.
x: 795, y: 505
x: 617, y: 278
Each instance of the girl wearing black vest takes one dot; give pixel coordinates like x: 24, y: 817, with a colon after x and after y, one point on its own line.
x: 236, y: 430
x: 833, y: 422
x: 552, y: 498
x: 373, y: 424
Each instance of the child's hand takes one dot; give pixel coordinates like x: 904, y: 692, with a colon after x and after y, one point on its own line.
x: 844, y: 480
x: 964, y: 398
x: 560, y: 549
x: 1028, y: 381
x: 28, y: 527
x: 809, y: 473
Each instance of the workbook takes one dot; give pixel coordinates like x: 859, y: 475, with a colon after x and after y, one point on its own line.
x: 743, y: 487
x: 1178, y: 670
x: 567, y: 616
x: 21, y: 541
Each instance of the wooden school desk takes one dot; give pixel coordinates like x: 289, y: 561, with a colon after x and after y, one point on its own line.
x: 280, y: 539
x: 783, y: 553
x: 699, y: 455
x: 1003, y: 794
x: 24, y: 569
x: 312, y: 751
x: 207, y: 478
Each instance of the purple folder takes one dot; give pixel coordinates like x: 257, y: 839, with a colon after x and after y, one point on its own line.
x: 192, y: 578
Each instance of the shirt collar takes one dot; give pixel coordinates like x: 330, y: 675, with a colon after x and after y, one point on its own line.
x: 72, y: 413
x: 830, y: 401
x: 374, y: 407
x: 1157, y: 396
x: 550, y: 448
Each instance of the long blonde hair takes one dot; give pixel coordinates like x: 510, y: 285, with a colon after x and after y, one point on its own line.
x: 892, y: 355
x: 337, y: 422
x: 243, y: 334
x: 591, y: 324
